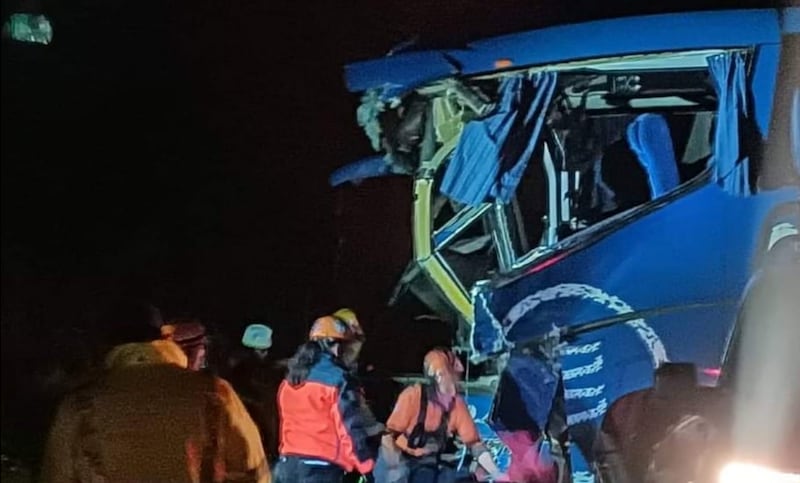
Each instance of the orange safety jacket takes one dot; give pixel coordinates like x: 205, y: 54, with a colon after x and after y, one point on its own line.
x: 404, y: 418
x: 321, y: 418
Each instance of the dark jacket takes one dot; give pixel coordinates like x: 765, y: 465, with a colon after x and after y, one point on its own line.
x: 256, y: 381
x: 149, y: 418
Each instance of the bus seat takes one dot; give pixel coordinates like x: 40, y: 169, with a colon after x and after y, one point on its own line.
x: 649, y: 138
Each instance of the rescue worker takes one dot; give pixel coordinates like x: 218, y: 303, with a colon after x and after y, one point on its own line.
x: 322, y: 428
x: 149, y: 418
x: 190, y: 335
x: 256, y: 380
x: 254, y: 347
x: 121, y: 320
x: 418, y: 446
x: 258, y: 337
x: 351, y: 352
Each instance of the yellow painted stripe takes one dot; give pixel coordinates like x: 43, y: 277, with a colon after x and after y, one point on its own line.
x: 450, y: 288
x: 423, y: 231
x: 422, y: 218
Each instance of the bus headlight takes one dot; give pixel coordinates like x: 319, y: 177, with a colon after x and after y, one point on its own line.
x: 749, y: 473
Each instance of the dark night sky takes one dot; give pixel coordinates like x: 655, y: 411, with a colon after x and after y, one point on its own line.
x: 179, y: 151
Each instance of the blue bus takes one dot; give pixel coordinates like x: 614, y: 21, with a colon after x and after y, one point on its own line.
x: 589, y: 204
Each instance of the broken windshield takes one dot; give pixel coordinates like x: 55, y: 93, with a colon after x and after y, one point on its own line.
x: 510, y: 164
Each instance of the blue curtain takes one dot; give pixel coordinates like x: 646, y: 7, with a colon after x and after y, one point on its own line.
x: 731, y: 169
x: 519, y: 147
x: 474, y: 165
x: 494, y: 151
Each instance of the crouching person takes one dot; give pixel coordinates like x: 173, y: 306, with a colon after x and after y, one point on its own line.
x: 418, y: 446
x: 322, y: 430
x: 150, y: 418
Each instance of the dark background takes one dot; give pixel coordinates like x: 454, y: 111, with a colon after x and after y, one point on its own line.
x: 178, y: 151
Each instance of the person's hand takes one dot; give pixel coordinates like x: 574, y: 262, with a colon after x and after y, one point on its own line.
x: 428, y: 449
x: 431, y: 447
x: 418, y: 452
x: 402, y: 443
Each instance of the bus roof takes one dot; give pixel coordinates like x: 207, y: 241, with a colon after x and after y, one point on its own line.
x: 397, y: 74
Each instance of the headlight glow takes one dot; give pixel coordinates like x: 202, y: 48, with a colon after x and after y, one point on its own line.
x: 749, y: 473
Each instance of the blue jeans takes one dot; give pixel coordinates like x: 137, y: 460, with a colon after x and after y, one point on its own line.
x: 420, y: 473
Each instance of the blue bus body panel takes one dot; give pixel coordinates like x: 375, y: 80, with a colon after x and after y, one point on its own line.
x: 690, y: 258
